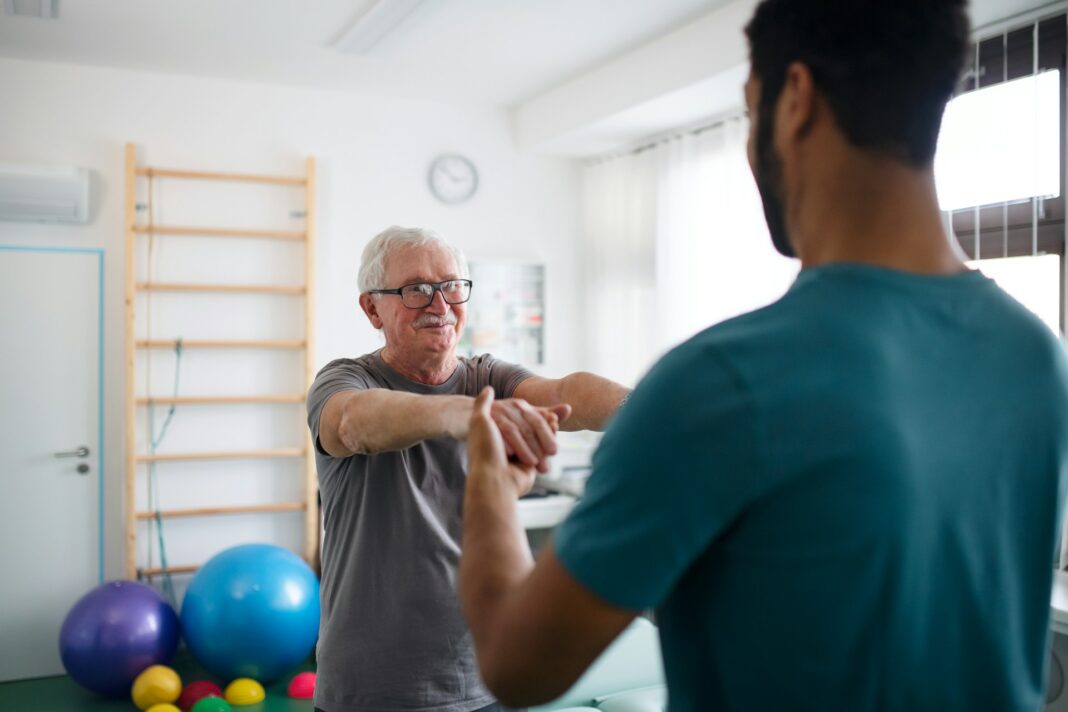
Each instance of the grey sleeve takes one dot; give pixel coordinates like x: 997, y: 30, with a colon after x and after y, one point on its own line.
x: 335, y: 377
x: 503, y: 376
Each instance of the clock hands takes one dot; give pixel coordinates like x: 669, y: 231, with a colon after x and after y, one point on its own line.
x: 453, y: 179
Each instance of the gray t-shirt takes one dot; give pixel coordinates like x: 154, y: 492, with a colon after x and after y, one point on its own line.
x: 391, y: 636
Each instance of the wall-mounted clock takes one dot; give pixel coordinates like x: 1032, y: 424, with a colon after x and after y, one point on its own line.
x: 452, y: 178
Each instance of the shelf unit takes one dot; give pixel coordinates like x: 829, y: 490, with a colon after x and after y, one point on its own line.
x: 308, y: 504
x: 506, y: 314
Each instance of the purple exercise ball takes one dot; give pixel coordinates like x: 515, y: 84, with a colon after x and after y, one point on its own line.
x: 113, y: 633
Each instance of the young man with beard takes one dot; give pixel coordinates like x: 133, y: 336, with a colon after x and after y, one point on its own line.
x: 847, y: 500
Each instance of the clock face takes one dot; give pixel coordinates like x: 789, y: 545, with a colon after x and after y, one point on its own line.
x: 453, y: 179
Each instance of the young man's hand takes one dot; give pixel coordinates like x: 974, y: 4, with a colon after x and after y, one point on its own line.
x: 529, y: 432
x: 488, y: 458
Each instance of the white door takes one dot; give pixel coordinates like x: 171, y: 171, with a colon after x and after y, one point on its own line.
x: 51, y: 495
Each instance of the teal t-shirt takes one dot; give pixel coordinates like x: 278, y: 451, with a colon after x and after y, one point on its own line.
x: 847, y: 500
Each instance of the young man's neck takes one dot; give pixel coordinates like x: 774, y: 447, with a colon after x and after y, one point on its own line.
x: 875, y: 211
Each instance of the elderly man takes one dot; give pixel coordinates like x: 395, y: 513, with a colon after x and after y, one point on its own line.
x: 389, y: 430
x: 847, y: 500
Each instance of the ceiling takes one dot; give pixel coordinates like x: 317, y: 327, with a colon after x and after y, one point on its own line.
x: 548, y: 58
x: 483, y: 52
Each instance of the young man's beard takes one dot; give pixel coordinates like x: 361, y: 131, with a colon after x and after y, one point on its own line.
x: 768, y: 176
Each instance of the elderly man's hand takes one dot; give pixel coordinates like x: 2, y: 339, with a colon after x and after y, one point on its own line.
x: 487, y: 452
x: 529, y: 432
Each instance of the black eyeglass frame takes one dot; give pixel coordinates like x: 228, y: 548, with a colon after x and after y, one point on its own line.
x: 435, y: 287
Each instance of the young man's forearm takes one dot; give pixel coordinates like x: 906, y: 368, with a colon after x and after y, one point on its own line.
x: 496, y: 559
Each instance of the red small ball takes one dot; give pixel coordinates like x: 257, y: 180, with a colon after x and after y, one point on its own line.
x: 195, y: 691
x: 302, y: 686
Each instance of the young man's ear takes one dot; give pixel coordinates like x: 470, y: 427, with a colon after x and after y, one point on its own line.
x: 797, y: 103
x: 370, y: 308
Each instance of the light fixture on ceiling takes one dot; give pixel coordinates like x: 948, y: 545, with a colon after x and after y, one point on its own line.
x: 379, y: 20
x: 41, y: 9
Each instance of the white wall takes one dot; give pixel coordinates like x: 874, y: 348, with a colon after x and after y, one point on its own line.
x: 372, y: 158
x: 686, y: 75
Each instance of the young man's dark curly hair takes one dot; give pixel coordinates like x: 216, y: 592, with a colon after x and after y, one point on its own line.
x: 886, y: 67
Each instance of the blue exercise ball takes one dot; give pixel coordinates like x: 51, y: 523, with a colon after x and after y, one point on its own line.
x: 252, y: 611
x: 113, y: 633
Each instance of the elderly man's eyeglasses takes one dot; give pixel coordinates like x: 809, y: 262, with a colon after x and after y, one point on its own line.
x: 421, y: 294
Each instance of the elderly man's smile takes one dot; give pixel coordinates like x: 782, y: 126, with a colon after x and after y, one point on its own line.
x: 436, y: 324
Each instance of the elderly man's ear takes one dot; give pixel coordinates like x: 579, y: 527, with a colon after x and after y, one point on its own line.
x: 370, y: 308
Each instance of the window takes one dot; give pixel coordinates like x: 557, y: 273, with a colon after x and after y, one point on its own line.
x: 1001, y: 163
x: 1019, y: 218
x: 1034, y: 281
x: 1024, y: 161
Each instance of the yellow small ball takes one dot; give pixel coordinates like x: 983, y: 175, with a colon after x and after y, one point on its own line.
x: 244, y: 691
x: 156, y: 684
x: 163, y: 707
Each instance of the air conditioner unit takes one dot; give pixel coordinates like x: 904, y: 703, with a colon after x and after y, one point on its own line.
x: 44, y: 194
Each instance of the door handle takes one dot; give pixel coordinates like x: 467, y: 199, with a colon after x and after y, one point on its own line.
x: 82, y: 451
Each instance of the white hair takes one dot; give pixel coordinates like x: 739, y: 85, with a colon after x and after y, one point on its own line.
x: 372, y: 273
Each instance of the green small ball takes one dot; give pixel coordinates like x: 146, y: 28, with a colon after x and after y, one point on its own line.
x: 212, y: 704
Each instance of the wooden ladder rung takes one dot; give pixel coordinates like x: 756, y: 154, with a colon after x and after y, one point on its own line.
x: 214, y: 511
x: 220, y: 232
x: 222, y: 344
x: 221, y: 400
x: 159, y: 570
x: 232, y: 455
x: 152, y: 172
x: 241, y: 288
x: 140, y: 223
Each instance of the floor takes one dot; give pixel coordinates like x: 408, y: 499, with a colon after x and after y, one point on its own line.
x: 61, y: 694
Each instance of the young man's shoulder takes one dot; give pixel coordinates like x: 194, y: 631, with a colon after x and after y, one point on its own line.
x: 767, y: 329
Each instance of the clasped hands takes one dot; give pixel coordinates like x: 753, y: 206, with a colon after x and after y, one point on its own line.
x: 513, y: 436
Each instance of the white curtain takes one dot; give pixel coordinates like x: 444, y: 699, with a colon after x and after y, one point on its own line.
x: 675, y: 241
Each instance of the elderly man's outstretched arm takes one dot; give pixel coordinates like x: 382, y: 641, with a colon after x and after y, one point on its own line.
x: 366, y: 422
x: 379, y: 420
x: 593, y: 399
